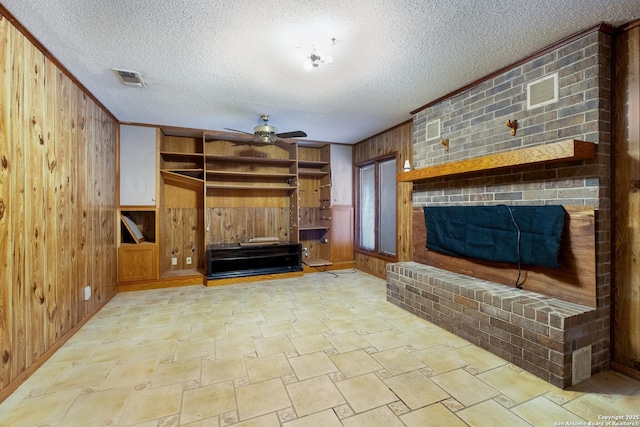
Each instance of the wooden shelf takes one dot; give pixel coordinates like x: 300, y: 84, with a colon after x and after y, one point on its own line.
x: 250, y: 187
x: 312, y: 164
x: 231, y: 174
x: 313, y: 228
x: 316, y: 262
x: 248, y: 159
x: 181, y: 156
x: 541, y: 154
x: 312, y: 173
x: 181, y: 180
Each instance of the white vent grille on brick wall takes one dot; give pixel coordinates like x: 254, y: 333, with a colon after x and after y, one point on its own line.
x: 543, y: 91
x: 433, y: 129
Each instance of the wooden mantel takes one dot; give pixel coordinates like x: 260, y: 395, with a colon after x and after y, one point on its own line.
x: 540, y: 154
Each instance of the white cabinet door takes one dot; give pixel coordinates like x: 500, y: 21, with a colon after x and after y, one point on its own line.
x: 341, y: 175
x: 138, y: 158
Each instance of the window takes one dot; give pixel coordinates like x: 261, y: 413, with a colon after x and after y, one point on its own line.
x: 377, y: 206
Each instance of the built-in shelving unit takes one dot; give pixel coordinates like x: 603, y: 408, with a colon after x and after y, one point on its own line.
x: 538, y: 155
x: 314, y: 172
x: 216, y: 190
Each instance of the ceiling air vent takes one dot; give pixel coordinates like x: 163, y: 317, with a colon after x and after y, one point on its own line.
x: 131, y: 78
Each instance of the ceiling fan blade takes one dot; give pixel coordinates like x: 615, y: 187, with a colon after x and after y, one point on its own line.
x: 240, y: 131
x: 294, y: 134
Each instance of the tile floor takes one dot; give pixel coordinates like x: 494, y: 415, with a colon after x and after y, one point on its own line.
x: 323, y: 350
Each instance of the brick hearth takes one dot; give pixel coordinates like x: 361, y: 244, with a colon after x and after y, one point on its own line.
x: 535, y: 332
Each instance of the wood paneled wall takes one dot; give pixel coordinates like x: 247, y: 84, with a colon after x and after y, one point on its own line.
x: 237, y: 224
x: 57, y: 207
x: 181, y: 237
x: 398, y: 140
x: 626, y: 286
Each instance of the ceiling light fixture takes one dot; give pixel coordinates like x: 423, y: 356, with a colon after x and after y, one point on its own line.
x: 265, y: 132
x: 315, y: 58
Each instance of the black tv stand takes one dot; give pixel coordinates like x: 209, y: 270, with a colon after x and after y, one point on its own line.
x: 239, y: 260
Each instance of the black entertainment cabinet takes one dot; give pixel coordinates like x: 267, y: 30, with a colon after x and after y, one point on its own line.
x: 239, y: 259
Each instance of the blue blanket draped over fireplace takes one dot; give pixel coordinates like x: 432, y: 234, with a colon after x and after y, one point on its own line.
x: 527, y: 235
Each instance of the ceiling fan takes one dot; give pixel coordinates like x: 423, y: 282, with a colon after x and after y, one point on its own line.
x: 267, y: 134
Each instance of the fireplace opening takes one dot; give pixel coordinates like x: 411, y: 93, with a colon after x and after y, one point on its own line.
x: 521, y: 235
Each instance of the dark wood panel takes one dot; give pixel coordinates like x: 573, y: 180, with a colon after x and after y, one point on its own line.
x: 575, y: 281
x: 342, y: 233
x: 626, y: 285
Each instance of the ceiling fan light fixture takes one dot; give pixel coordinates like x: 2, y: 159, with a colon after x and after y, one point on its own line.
x: 267, y: 134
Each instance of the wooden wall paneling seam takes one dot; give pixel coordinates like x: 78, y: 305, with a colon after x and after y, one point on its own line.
x: 51, y: 280
x: 17, y: 208
x: 6, y: 232
x: 81, y: 200
x: 106, y: 193
x: 63, y: 208
x: 35, y: 249
x: 112, y: 258
x: 96, y: 205
x: 75, y: 286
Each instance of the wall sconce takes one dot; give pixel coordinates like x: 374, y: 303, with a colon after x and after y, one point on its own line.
x: 445, y: 142
x: 513, y: 125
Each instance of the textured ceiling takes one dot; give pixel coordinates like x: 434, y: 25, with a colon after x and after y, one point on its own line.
x: 211, y: 64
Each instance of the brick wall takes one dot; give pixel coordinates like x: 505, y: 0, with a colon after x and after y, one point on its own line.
x: 474, y: 123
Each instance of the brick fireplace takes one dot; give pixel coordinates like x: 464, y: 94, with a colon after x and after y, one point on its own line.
x: 474, y: 123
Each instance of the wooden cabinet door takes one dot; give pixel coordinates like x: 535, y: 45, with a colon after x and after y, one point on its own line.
x: 137, y: 262
x: 342, y: 234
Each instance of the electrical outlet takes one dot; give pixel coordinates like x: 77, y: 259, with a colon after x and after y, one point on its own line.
x: 87, y: 293
x: 188, y: 260
x: 174, y: 261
